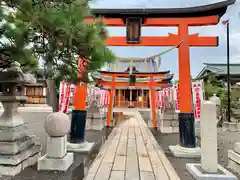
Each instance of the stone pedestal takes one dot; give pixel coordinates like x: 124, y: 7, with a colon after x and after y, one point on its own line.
x: 84, y: 147
x: 197, y: 129
x: 94, y: 121
x: 150, y: 122
x: 231, y: 126
x: 56, y: 147
x: 179, y: 151
x: 17, y: 149
x: 97, y: 122
x: 199, y: 174
x: 234, y: 158
x: 56, y: 157
x: 209, y: 168
x: 95, y: 116
x: 10, y: 116
x: 89, y: 119
x: 103, y: 111
x: 169, y: 122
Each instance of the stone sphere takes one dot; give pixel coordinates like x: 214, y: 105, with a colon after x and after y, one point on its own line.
x: 57, y: 124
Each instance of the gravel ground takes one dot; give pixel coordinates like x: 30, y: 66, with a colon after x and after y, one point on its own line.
x: 34, y: 122
x: 226, y: 141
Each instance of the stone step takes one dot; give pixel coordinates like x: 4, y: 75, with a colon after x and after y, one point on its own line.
x: 173, y: 123
x: 12, y: 170
x: 14, y: 160
x: 169, y: 116
x: 168, y: 130
x: 14, y: 147
x: 231, y: 126
x: 237, y: 148
x: 95, y: 115
x: 234, y: 156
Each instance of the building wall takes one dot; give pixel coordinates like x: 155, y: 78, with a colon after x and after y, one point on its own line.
x: 36, y: 94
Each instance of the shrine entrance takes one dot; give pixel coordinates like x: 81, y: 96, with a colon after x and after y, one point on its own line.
x: 182, y: 18
x: 132, y: 98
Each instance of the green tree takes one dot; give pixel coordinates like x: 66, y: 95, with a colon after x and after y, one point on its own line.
x: 214, y: 85
x: 14, y: 43
x: 59, y: 34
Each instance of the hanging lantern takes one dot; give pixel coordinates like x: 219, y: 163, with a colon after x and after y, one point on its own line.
x: 133, y: 25
x: 132, y: 79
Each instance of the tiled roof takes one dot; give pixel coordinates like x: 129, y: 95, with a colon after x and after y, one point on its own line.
x: 220, y: 69
x: 218, y: 8
x: 141, y: 66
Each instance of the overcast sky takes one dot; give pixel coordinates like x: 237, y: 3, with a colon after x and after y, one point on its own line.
x: 199, y: 55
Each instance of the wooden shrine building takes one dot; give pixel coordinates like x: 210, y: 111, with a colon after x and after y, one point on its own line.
x: 132, y: 88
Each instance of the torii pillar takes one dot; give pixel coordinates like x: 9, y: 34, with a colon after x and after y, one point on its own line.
x: 187, y: 145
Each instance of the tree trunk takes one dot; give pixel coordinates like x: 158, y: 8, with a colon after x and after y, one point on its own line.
x: 52, y: 99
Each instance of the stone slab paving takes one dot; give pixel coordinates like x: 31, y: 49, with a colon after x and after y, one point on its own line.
x: 131, y: 153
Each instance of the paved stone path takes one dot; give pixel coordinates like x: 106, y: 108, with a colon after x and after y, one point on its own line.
x: 131, y: 153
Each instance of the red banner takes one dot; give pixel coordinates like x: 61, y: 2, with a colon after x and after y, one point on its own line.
x: 82, y: 66
x: 67, y: 98
x: 61, y: 95
x: 197, y: 108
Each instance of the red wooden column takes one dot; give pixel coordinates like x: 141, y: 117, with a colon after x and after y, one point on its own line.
x: 153, y: 102
x: 80, y: 97
x: 184, y: 71
x: 186, y: 116
x: 79, y: 113
x: 110, y: 105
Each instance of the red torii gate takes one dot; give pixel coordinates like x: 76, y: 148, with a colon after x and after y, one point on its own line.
x: 183, y: 18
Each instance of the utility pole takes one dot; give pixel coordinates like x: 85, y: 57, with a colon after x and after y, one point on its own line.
x: 228, y: 77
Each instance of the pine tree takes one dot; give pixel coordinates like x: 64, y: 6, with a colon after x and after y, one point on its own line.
x: 59, y: 34
x: 56, y: 32
x: 14, y: 42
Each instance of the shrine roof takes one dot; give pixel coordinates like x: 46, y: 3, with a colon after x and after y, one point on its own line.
x: 219, y: 68
x: 160, y: 72
x: 167, y: 77
x: 196, y: 11
x: 141, y: 66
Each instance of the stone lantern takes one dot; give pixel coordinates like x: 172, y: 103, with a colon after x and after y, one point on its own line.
x: 17, y: 149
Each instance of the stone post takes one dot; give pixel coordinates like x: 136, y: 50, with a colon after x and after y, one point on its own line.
x: 208, y: 126
x: 209, y: 168
x: 150, y: 121
x: 57, y: 126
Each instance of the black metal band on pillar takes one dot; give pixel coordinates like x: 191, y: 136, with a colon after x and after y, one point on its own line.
x: 77, y: 132
x: 187, y: 130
